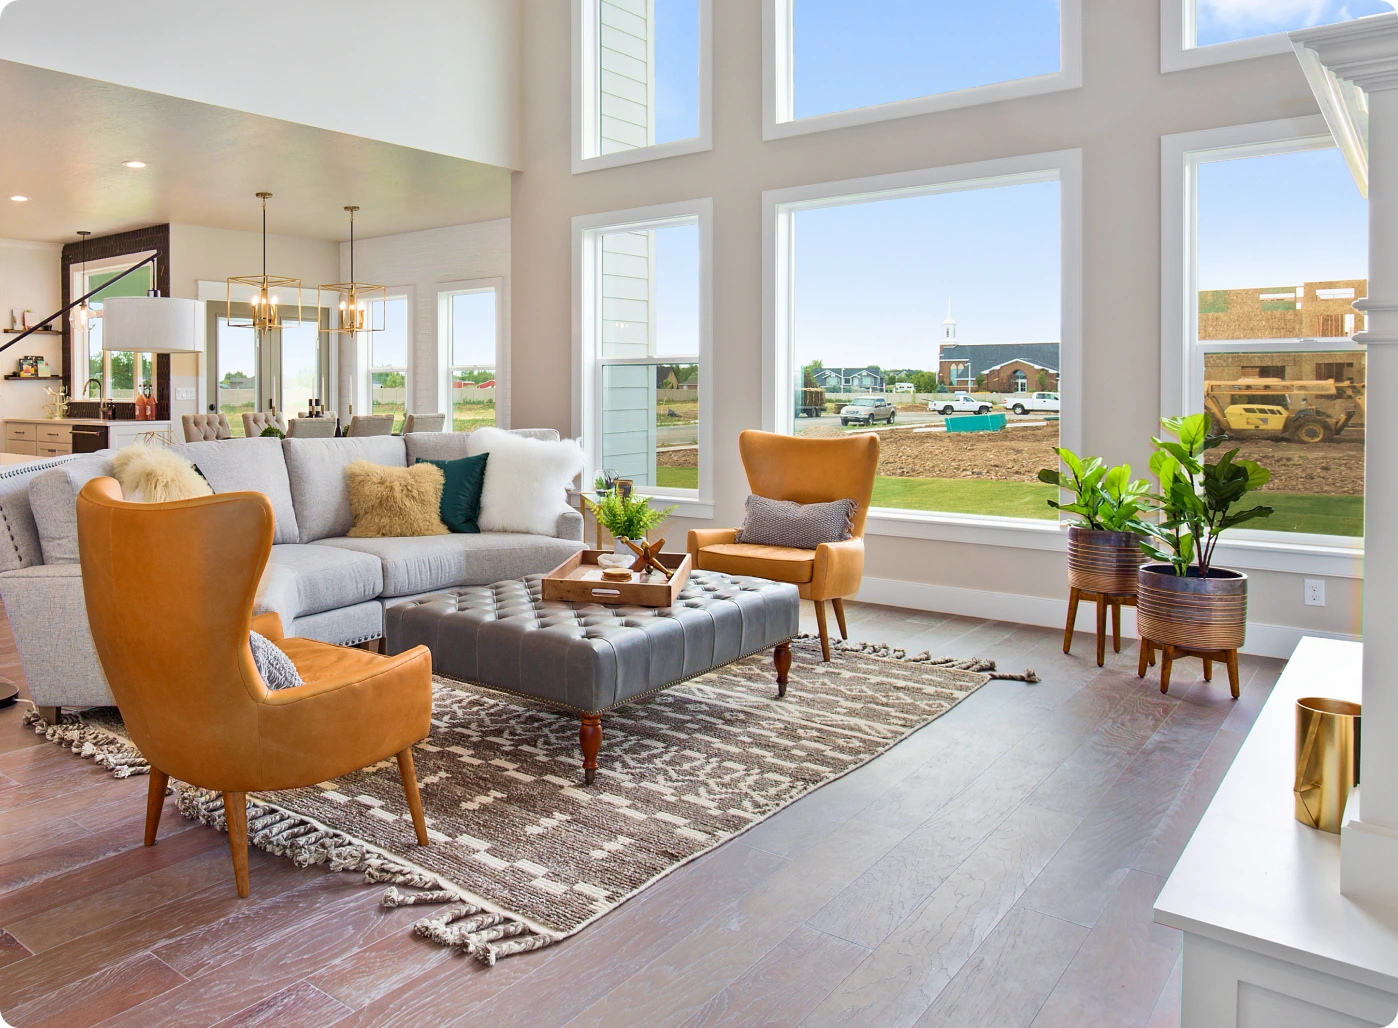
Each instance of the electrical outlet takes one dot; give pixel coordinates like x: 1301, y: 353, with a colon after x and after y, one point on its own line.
x: 1315, y: 592
x: 184, y: 393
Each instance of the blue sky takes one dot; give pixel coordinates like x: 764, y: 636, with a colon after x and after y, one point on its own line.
x: 676, y: 69
x: 1280, y: 220
x: 1221, y: 20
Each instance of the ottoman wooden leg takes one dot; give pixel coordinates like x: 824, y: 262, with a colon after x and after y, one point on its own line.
x: 781, y: 657
x: 590, y: 738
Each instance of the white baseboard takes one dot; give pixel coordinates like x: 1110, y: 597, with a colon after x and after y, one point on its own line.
x: 1263, y: 640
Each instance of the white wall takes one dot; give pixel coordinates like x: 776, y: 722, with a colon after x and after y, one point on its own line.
x: 426, y: 261
x: 1117, y: 118
x: 30, y: 276
x: 213, y: 255
x: 438, y: 75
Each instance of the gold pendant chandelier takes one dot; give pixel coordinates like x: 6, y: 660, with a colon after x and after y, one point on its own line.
x: 267, y: 291
x: 357, y: 299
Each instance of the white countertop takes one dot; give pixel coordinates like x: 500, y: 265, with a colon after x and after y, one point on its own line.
x: 86, y: 421
x: 1253, y: 876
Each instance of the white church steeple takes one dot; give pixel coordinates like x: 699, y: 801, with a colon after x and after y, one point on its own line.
x: 949, y: 327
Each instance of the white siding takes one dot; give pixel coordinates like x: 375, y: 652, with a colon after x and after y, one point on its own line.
x: 627, y: 61
x: 628, y: 330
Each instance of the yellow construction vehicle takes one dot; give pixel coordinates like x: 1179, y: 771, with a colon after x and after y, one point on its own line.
x: 1274, y: 408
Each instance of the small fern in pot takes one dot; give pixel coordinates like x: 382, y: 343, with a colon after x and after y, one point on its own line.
x: 1104, y: 545
x: 627, y: 517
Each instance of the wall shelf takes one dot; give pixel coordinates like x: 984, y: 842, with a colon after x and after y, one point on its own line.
x: 31, y: 378
x: 37, y: 331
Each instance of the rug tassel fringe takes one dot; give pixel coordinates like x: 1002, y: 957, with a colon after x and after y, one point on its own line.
x: 478, y: 932
x: 976, y: 664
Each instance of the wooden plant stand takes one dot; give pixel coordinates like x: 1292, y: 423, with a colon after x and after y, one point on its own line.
x: 1103, y: 600
x: 1168, y: 654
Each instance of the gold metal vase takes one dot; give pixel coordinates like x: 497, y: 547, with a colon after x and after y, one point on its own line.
x: 1327, y: 760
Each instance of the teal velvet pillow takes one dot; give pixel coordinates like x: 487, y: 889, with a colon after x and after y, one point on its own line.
x: 461, y: 492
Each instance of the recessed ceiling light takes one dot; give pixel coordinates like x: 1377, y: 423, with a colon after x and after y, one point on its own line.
x: 133, y: 164
x: 20, y: 199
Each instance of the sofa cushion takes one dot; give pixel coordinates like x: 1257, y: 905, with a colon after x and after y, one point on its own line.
x: 53, y: 499
x: 526, y: 482
x: 422, y: 564
x: 453, y: 445
x: 252, y: 465
x: 302, y: 580
x: 389, y: 502
x: 317, y: 471
x: 462, y: 481
x: 19, y: 535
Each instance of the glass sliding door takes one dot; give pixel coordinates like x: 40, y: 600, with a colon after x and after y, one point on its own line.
x: 300, y: 377
x: 250, y: 371
x: 235, y: 363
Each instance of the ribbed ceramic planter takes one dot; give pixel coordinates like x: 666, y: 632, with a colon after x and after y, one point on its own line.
x: 1104, y: 562
x: 1196, y: 613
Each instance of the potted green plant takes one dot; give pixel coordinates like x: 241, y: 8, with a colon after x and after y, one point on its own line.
x: 1104, y: 546
x: 1184, y: 600
x: 627, y: 517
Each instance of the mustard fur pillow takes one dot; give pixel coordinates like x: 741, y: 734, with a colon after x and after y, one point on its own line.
x: 394, y: 501
x: 154, y: 474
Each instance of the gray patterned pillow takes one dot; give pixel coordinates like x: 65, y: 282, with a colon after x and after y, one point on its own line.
x: 802, y: 525
x: 275, y: 667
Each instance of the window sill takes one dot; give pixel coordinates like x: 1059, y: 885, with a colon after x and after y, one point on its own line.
x: 1328, y: 556
x: 685, y: 506
x: 641, y: 154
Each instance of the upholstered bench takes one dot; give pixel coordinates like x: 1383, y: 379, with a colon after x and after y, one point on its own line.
x: 590, y: 658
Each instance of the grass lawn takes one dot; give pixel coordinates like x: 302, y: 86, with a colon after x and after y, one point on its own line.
x: 677, y: 478
x: 1295, y: 512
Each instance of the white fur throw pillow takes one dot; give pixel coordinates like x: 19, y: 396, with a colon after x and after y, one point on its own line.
x: 526, y: 480
x: 155, y: 474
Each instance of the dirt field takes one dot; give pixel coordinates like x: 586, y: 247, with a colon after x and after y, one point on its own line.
x: 685, y: 458
x: 1017, y: 454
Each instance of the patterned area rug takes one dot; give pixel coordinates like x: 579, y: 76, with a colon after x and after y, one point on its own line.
x: 522, y: 853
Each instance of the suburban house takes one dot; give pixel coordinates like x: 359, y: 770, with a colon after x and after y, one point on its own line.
x: 850, y: 380
x: 960, y: 364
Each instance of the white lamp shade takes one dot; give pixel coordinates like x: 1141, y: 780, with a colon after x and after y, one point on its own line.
x: 153, y: 324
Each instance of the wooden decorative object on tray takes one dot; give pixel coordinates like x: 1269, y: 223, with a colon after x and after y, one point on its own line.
x: 580, y: 580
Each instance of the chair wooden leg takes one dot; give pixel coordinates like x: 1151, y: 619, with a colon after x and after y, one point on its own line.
x: 590, y: 739
x: 1101, y: 629
x: 1167, y: 658
x: 1116, y: 625
x: 1074, y: 595
x: 1144, y: 660
x: 235, y: 810
x: 839, y: 606
x: 781, y: 657
x: 409, y: 776
x: 1233, y: 673
x: 155, y: 803
x: 824, y: 631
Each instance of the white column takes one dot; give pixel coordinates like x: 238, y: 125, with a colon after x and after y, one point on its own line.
x: 1353, y: 70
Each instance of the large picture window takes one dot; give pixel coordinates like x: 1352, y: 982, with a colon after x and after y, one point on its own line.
x: 388, y: 359
x: 643, y: 327
x: 833, y: 63
x: 642, y: 89
x: 953, y: 336
x: 471, y: 347
x: 1200, y: 32
x: 1268, y: 353
x: 119, y: 372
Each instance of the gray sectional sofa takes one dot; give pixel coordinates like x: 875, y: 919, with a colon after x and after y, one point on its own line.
x: 324, y: 585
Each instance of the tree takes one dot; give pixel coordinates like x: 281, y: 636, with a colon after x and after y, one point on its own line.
x: 924, y: 381
x: 1043, y: 380
x: 980, y: 380
x: 808, y: 379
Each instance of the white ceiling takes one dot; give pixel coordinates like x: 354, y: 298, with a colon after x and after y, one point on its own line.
x: 64, y: 139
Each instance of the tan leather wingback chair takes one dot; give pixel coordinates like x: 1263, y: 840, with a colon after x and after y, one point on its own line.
x: 783, y: 467
x: 169, y: 590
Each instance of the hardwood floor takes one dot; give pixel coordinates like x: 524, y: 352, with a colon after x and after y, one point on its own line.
x: 997, y: 869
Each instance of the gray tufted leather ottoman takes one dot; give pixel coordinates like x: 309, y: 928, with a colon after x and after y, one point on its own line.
x: 590, y: 658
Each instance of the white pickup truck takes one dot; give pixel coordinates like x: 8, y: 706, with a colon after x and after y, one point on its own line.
x: 960, y: 403
x: 1023, y: 403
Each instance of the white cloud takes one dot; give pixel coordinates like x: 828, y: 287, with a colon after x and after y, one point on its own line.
x: 1251, y: 12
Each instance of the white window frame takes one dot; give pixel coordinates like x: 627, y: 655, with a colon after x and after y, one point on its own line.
x: 446, y: 369
x: 1181, y: 355
x: 80, y: 342
x: 1178, y: 52
x: 779, y: 208
x: 586, y: 87
x: 364, y: 355
x: 779, y: 86
x: 587, y: 346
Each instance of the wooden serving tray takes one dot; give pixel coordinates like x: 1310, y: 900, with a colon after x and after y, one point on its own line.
x: 579, y: 580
